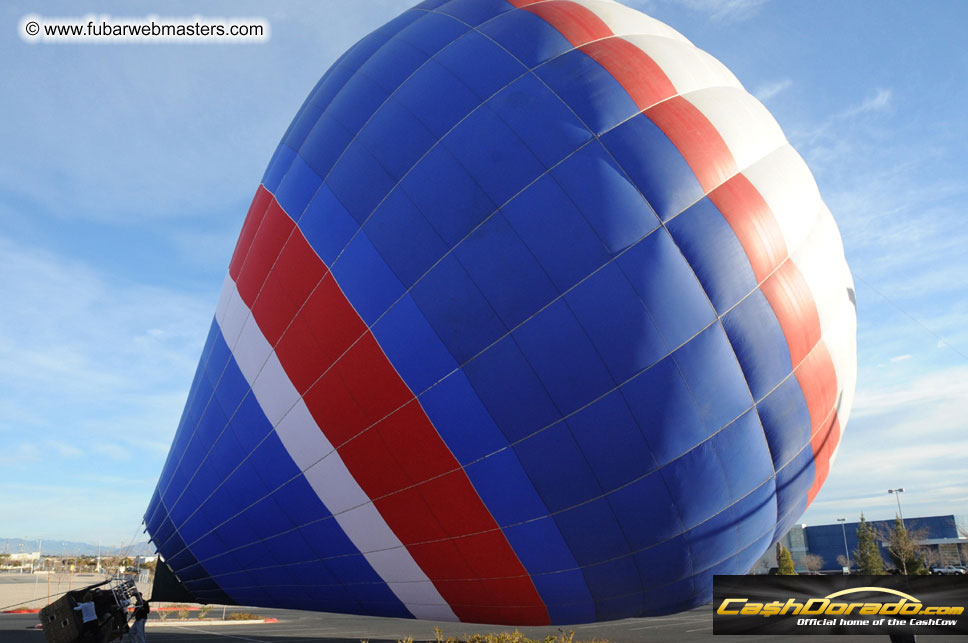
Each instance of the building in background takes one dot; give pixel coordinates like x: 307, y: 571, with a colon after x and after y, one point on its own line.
x: 796, y: 541
x: 941, y: 535
x: 20, y: 561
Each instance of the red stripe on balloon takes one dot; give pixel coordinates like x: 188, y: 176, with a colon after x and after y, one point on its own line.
x: 381, y: 432
x: 293, y: 277
x: 578, y: 24
x: 689, y: 130
x: 641, y: 77
x: 824, y: 445
x: 270, y: 237
x: 324, y: 328
x: 819, y: 389
x: 754, y: 224
x: 819, y: 384
x: 252, y: 220
x: 696, y: 139
x: 789, y: 296
x: 791, y: 300
x: 734, y: 195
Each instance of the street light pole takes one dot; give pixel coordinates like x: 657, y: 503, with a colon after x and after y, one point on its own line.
x: 843, y: 528
x: 897, y: 496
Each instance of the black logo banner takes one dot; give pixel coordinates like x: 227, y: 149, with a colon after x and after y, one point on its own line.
x: 854, y: 605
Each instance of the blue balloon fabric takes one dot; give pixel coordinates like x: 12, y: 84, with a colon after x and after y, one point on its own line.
x: 535, y: 318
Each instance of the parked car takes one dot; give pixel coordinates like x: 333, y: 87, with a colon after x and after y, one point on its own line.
x: 948, y: 570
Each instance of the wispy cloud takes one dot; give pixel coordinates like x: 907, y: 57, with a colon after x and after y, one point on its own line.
x: 898, y: 198
x: 20, y: 453
x: 63, y: 450
x: 765, y: 92
x: 900, y: 219
x: 901, y: 434
x: 814, y: 140
x: 879, y: 101
x: 942, y: 386
x: 163, y: 132
x: 123, y: 184
x: 927, y: 497
x: 95, y: 371
x: 103, y: 510
x: 74, y: 336
x: 726, y: 10
x: 943, y: 391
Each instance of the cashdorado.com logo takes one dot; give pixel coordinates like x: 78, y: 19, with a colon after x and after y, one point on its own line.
x: 856, y: 605
x: 826, y: 606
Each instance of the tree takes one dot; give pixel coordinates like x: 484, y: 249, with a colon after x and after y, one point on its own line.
x: 842, y: 561
x: 784, y: 561
x: 868, y: 555
x: 761, y: 566
x: 813, y: 562
x: 902, y: 546
x: 932, y: 557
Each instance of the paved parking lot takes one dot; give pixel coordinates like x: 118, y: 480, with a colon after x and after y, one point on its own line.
x: 308, y: 627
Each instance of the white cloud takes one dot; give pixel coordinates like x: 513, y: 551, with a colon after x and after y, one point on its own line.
x: 63, y: 450
x: 113, y: 451
x: 907, y: 435
x: 832, y: 138
x: 101, y: 510
x: 95, y: 370
x: 726, y: 10
x: 19, y: 454
x: 933, y: 391
x: 764, y: 93
x: 899, y: 358
x: 164, y: 131
x: 879, y: 101
x: 899, y: 205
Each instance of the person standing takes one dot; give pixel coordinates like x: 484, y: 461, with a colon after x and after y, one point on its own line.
x: 140, y: 618
x: 89, y: 620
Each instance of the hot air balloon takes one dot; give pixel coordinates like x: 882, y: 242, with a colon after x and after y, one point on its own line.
x: 536, y: 317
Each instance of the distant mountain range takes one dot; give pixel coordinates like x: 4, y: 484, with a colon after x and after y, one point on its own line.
x: 69, y: 548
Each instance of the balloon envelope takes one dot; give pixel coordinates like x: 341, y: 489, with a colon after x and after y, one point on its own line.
x: 536, y: 317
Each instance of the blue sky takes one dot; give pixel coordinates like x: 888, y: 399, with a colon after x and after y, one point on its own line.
x: 126, y: 171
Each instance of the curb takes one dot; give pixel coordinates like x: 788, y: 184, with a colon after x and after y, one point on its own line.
x: 200, y: 622
x: 30, y: 611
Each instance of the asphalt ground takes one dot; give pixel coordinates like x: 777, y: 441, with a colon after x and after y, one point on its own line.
x: 308, y: 627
